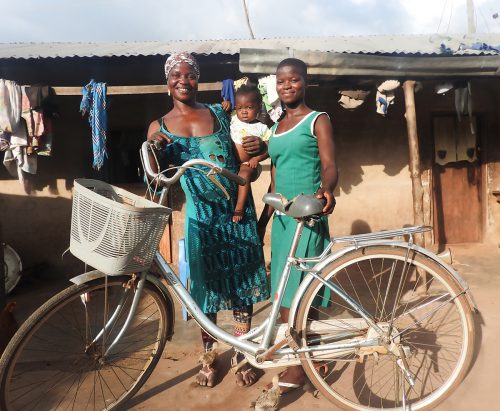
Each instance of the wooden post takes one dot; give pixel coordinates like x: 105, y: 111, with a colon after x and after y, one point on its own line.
x: 416, y: 175
x: 414, y: 156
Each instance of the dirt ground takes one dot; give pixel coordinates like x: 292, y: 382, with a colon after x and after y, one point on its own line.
x: 172, y: 386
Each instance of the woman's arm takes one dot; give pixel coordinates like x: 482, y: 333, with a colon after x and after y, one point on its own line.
x: 268, y: 211
x: 253, y: 145
x: 329, y: 173
x: 155, y: 135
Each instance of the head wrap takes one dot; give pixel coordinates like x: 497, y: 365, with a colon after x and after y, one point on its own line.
x: 183, y: 57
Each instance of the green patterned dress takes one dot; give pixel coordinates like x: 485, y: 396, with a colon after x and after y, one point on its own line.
x: 295, y: 155
x: 225, y: 259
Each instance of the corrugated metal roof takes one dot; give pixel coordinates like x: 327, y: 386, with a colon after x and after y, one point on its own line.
x: 406, y: 45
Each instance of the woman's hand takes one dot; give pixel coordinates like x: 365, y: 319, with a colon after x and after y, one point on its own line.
x: 226, y: 106
x: 159, y: 139
x: 156, y: 136
x: 252, y: 145
x: 327, y: 195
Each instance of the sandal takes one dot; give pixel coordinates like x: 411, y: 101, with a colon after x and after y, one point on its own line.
x: 207, y: 375
x: 246, y: 375
x: 287, y: 386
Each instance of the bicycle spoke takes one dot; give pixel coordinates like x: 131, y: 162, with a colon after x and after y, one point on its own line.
x: 55, y: 369
x: 386, y: 287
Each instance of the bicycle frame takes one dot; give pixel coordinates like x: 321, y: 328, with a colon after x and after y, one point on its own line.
x: 260, y: 350
x: 243, y: 343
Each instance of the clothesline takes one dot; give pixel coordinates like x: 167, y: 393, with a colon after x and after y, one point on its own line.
x: 147, y: 89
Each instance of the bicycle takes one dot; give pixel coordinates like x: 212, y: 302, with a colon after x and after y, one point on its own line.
x: 377, y: 322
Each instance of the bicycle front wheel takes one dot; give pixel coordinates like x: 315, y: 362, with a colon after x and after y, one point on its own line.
x: 411, y: 297
x: 58, y: 360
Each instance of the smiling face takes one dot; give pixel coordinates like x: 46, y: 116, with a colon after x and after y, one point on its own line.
x: 247, y: 107
x: 183, y: 82
x: 290, y: 84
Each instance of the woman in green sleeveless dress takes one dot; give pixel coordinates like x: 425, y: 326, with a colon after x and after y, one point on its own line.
x: 302, y: 151
x: 225, y: 259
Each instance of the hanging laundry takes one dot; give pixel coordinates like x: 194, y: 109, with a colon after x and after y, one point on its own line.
x: 238, y: 83
x: 270, y: 98
x: 16, y: 159
x: 94, y: 103
x: 13, y: 134
x: 41, y: 99
x: 10, y: 106
x: 42, y: 110
x: 385, y: 95
x: 46, y: 148
x: 227, y: 91
x: 34, y: 122
x: 351, y: 99
x: 463, y: 103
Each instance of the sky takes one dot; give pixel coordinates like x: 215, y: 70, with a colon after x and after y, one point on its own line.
x: 166, y: 20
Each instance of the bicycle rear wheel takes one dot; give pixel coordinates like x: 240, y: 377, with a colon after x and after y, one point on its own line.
x: 434, y: 329
x: 56, y: 361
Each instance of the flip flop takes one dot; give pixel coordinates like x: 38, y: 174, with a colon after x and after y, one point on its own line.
x: 209, y: 375
x: 288, y: 386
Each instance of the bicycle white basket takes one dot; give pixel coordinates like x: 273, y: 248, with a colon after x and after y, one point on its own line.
x: 114, y: 230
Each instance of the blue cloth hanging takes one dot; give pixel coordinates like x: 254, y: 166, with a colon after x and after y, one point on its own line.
x: 227, y: 91
x: 94, y: 103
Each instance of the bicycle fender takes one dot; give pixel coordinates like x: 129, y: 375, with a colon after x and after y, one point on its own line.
x: 152, y: 278
x: 86, y: 277
x: 398, y: 244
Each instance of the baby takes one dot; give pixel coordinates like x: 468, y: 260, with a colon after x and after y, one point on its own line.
x: 247, y: 106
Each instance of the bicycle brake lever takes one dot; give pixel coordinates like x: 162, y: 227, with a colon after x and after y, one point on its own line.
x: 218, y: 184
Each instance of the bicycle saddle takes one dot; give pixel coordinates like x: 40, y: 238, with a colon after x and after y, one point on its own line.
x: 298, y: 207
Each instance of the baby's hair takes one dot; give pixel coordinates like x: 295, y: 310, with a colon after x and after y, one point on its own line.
x: 299, y: 65
x: 249, y: 89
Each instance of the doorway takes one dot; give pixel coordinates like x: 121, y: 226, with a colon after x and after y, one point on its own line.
x: 457, y: 177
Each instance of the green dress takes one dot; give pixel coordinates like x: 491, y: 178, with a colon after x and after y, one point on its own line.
x: 295, y: 155
x: 226, y: 260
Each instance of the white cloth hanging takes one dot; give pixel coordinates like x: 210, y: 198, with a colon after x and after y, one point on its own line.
x: 14, y: 136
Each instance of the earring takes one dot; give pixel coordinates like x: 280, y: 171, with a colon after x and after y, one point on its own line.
x: 168, y: 92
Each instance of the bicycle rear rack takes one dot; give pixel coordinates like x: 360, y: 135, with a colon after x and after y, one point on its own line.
x: 386, y: 234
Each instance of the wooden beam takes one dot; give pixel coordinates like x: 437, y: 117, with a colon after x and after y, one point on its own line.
x: 147, y: 89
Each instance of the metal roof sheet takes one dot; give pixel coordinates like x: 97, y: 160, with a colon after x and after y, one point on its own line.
x: 435, y: 44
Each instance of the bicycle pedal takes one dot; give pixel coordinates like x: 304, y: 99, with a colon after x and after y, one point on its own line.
x: 292, y: 338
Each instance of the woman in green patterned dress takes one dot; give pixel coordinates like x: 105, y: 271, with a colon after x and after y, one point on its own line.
x: 225, y: 259
x: 302, y: 151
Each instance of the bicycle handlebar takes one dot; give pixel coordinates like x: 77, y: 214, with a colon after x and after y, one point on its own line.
x: 165, y: 181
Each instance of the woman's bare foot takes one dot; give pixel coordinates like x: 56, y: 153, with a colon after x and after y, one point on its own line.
x: 207, y: 375
x: 246, y: 375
